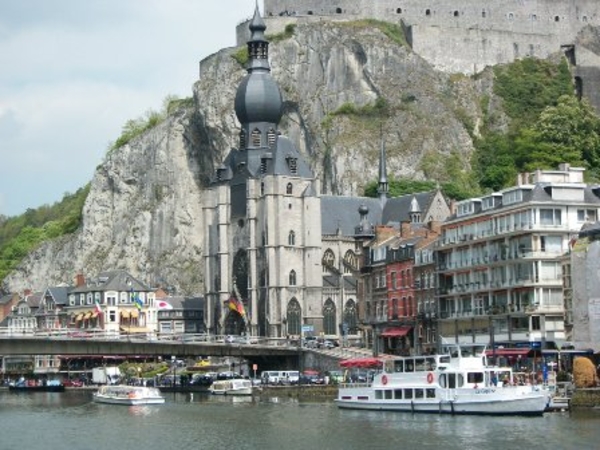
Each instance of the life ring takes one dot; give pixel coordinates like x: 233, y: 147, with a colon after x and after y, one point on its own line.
x: 430, y: 377
x: 384, y: 379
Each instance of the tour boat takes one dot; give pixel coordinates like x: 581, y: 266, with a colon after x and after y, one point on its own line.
x: 23, y: 385
x: 128, y: 395
x: 236, y: 386
x: 458, y: 382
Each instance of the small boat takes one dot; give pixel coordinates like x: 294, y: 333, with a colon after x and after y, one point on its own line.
x: 236, y: 386
x: 36, y: 386
x: 128, y: 395
x: 458, y: 382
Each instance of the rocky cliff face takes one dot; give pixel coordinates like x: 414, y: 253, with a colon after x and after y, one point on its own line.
x: 144, y: 210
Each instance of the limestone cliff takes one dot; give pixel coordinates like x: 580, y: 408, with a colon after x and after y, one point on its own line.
x: 144, y: 210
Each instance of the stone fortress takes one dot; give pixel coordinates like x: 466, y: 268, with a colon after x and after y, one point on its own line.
x: 465, y: 36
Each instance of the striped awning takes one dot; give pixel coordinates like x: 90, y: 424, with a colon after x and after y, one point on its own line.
x: 125, y: 314
x: 134, y: 313
x: 88, y: 315
x: 79, y: 317
x: 94, y: 314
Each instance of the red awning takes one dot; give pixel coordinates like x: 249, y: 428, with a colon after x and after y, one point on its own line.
x: 508, y: 352
x: 396, y: 331
x: 362, y: 363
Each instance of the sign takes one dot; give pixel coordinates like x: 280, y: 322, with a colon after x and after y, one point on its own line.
x: 308, y: 328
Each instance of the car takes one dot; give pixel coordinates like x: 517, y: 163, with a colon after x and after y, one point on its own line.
x: 327, y: 344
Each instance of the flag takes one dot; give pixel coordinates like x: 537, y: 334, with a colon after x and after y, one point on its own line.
x: 97, y: 306
x: 161, y: 304
x: 138, y: 301
x: 237, y: 306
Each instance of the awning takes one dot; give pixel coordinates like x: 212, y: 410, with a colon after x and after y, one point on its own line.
x: 125, y: 314
x: 363, y: 363
x: 79, y: 317
x: 134, y: 313
x: 94, y: 314
x: 88, y: 315
x: 396, y: 332
x: 127, y: 329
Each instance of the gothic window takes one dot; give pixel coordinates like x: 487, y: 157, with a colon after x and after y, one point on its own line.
x: 328, y: 259
x: 256, y: 137
x: 289, y: 189
x: 294, y: 317
x: 338, y: 10
x: 428, y: 12
x: 329, y: 317
x: 242, y: 139
x: 292, y: 278
x: 350, y: 262
x: 398, y: 10
x: 292, y: 238
x: 262, y: 188
x: 271, y: 137
x: 263, y: 166
x: 350, y: 316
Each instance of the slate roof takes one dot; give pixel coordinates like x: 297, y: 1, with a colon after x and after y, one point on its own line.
x: 333, y: 281
x: 60, y: 294
x: 181, y: 302
x: 397, y: 210
x: 340, y: 214
x: 114, y: 280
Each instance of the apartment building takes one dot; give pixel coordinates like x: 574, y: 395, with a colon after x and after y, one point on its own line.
x: 499, y: 260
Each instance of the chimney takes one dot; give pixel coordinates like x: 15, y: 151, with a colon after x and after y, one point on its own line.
x: 405, y: 229
x: 79, y: 280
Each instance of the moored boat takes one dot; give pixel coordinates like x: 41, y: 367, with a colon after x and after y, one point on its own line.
x: 128, y: 395
x: 36, y: 386
x: 458, y: 382
x: 236, y: 386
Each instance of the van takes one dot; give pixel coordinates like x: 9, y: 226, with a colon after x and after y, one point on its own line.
x: 280, y: 377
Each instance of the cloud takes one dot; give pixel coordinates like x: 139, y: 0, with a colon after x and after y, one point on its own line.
x: 74, y: 72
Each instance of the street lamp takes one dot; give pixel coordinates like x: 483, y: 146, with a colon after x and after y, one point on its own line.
x: 174, y: 367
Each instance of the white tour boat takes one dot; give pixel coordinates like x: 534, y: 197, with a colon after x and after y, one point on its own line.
x: 128, y: 395
x: 235, y: 386
x: 459, y: 382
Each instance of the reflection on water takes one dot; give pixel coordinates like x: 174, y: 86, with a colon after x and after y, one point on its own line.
x: 201, y: 421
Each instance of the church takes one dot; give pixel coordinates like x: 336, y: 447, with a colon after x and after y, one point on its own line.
x: 281, y: 259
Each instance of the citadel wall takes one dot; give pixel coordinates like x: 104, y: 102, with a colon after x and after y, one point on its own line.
x: 462, y: 36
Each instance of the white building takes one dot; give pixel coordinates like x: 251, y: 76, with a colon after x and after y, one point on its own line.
x: 499, y: 260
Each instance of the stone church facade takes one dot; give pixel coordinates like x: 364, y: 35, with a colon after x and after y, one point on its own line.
x: 280, y: 259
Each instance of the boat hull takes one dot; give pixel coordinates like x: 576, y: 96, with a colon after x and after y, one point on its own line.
x: 128, y: 395
x: 59, y: 388
x: 534, y: 404
x: 126, y: 401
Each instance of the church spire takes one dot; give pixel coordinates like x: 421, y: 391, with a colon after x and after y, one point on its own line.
x: 383, y: 188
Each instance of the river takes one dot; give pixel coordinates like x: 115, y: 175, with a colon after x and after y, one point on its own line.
x: 70, y: 420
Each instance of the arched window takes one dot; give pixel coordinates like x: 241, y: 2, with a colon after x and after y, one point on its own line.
x: 350, y: 262
x: 398, y: 10
x: 329, y: 317
x: 456, y: 13
x: 289, y: 189
x: 242, y: 139
x: 350, y: 317
x: 427, y: 12
x: 328, y: 260
x: 292, y: 278
x: 292, y: 238
x: 256, y: 137
x: 338, y: 10
x: 294, y: 317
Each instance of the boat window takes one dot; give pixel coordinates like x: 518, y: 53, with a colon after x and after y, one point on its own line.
x: 389, y: 394
x: 430, y: 393
x: 443, y: 380
x: 419, y: 393
x: 408, y: 394
x: 399, y: 366
x: 409, y: 366
x: 431, y: 365
x: 398, y: 394
x: 420, y: 365
x: 475, y: 377
x: 444, y: 359
x: 460, y: 380
x: 378, y: 394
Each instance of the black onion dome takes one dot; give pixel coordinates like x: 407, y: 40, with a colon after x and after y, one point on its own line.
x: 258, y: 98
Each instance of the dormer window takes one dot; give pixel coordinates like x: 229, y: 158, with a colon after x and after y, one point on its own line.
x: 242, y: 139
x: 256, y: 137
x: 292, y: 164
x: 271, y: 138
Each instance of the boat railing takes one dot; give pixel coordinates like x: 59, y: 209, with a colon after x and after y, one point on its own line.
x: 355, y: 385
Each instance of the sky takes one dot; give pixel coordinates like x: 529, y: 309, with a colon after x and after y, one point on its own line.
x: 73, y: 72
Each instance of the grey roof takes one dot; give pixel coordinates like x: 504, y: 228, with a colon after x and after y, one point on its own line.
x: 5, y: 299
x: 181, y: 302
x: 114, y: 280
x: 60, y: 294
x: 333, y: 281
x: 340, y: 214
x: 286, y: 149
x: 397, y: 210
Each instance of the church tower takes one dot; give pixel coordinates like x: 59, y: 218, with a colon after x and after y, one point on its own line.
x: 262, y: 218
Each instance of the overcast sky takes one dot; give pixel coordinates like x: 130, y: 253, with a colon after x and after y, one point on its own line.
x: 72, y: 72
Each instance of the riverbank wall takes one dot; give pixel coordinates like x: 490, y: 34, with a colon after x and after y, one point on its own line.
x: 585, y: 398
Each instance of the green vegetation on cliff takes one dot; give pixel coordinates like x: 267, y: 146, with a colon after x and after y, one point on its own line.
x: 21, y: 234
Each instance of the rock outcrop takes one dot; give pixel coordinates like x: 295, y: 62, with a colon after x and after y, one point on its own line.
x: 346, y: 86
